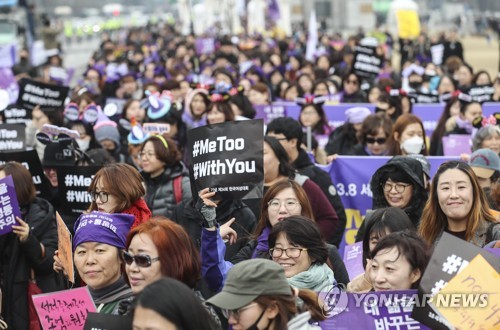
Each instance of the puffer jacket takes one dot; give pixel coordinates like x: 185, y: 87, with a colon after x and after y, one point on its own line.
x: 160, y: 190
x: 18, y: 259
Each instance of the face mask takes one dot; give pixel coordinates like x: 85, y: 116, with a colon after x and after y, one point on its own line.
x: 464, y: 124
x: 254, y: 325
x: 415, y: 84
x: 83, y: 145
x: 413, y: 145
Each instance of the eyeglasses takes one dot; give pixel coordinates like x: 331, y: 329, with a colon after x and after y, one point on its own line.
x: 353, y: 82
x: 141, y: 260
x: 236, y: 312
x: 146, y: 154
x: 275, y: 204
x: 102, y: 195
x: 400, y: 187
x: 370, y: 140
x: 290, y: 252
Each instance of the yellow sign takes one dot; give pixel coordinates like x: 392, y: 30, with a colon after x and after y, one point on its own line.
x: 65, y: 251
x: 408, y: 24
x: 471, y: 299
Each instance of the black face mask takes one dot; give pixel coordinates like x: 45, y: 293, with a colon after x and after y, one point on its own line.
x: 254, y: 325
x: 377, y: 109
x: 415, y: 84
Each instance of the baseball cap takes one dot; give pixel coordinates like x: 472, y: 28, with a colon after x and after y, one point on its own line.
x: 484, y: 162
x: 250, y: 279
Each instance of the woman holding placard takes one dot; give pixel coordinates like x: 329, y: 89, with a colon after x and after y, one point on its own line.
x: 26, y: 253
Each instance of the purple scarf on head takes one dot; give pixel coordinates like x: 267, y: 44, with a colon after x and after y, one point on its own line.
x: 262, y: 242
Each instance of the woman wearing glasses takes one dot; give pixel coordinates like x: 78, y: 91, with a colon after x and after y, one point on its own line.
x: 118, y: 188
x: 351, y: 89
x: 284, y: 199
x: 258, y: 295
x: 165, y: 176
x: 399, y: 183
x: 97, y: 244
x: 160, y: 248
x: 375, y: 131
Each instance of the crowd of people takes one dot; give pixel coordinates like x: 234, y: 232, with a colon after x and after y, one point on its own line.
x: 181, y: 259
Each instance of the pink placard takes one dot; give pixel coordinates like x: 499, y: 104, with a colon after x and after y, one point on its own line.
x: 66, y: 309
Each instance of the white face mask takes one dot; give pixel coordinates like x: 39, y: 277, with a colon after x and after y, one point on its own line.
x: 83, y: 144
x: 413, y: 145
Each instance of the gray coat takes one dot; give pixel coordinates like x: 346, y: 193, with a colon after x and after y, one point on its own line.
x: 160, y: 190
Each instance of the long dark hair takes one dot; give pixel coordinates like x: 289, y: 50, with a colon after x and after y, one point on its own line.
x: 284, y: 168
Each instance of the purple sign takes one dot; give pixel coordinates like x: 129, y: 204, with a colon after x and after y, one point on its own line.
x: 374, y: 310
x: 9, y: 207
x: 351, y: 176
x: 490, y: 108
x: 456, y: 144
x: 9, y: 83
x: 270, y: 112
x: 205, y: 46
x: 429, y: 114
x: 353, y: 259
x: 336, y: 113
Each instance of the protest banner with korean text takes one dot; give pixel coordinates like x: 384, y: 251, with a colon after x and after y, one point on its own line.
x: 228, y: 159
x: 9, y: 206
x: 74, y: 182
x: 66, y: 309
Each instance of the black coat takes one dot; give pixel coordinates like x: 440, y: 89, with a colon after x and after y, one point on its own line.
x: 191, y: 219
x: 305, y: 167
x: 19, y: 258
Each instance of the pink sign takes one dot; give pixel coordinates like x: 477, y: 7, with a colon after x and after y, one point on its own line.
x: 66, y: 309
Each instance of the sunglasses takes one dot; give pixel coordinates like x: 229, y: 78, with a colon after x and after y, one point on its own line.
x: 141, y: 260
x: 370, y: 140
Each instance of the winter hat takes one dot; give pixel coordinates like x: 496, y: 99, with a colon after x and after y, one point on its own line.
x: 106, y: 129
x: 484, y: 162
x: 357, y: 115
x: 100, y: 227
x: 56, y: 154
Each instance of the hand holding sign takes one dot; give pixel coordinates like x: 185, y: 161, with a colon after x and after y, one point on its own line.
x: 22, y: 231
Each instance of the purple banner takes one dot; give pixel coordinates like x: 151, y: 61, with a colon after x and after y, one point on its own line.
x: 270, y: 112
x: 490, y: 108
x: 429, y: 114
x: 205, y: 46
x: 9, y: 83
x: 351, y: 176
x: 336, y: 113
x: 353, y: 259
x: 374, y: 310
x: 456, y: 144
x: 9, y: 207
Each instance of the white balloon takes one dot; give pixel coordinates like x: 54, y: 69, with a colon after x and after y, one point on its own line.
x: 110, y: 109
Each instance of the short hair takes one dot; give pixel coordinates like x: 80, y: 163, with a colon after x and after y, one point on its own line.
x: 411, y: 246
x: 121, y: 180
x: 169, y: 154
x: 272, y: 192
x: 304, y: 232
x: 177, y: 303
x: 179, y: 257
x: 372, y: 124
x: 287, y: 126
x: 482, y: 134
x: 381, y: 221
x: 25, y: 188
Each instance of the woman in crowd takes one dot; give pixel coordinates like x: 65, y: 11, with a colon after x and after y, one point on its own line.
x: 259, y: 94
x: 457, y: 205
x: 313, y: 115
x: 165, y: 176
x: 398, y: 261
x: 97, y: 247
x: 446, y: 85
x: 132, y: 109
x: 169, y: 304
x: 257, y: 295
x: 118, y: 188
x: 161, y: 248
x: 379, y: 224
x: 196, y: 104
x: 306, y: 83
x: 292, y: 92
x: 87, y: 140
x: 464, y: 76
x: 408, y: 136
x: 481, y: 78
x: 219, y: 110
x: 26, y: 252
x: 344, y: 139
x: 351, y: 89
x: 389, y: 104
x: 241, y: 105
x: 373, y: 136
x: 321, y: 88
x: 487, y: 137
x: 468, y: 112
x: 451, y: 110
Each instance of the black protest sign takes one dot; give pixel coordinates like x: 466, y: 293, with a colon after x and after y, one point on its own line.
x: 100, y: 321
x: 16, y: 115
x: 228, y: 159
x: 481, y: 93
x: 367, y: 62
x: 418, y: 97
x: 47, y: 96
x: 12, y: 137
x: 74, y: 182
x: 450, y: 256
x: 30, y: 160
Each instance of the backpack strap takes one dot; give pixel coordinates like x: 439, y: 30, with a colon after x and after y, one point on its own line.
x: 177, y: 184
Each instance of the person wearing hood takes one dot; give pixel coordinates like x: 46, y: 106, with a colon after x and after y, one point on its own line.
x: 257, y: 295
x: 26, y: 253
x: 399, y: 183
x: 107, y: 134
x: 165, y: 175
x: 196, y: 104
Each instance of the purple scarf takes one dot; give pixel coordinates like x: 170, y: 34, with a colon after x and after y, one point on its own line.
x: 262, y: 242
